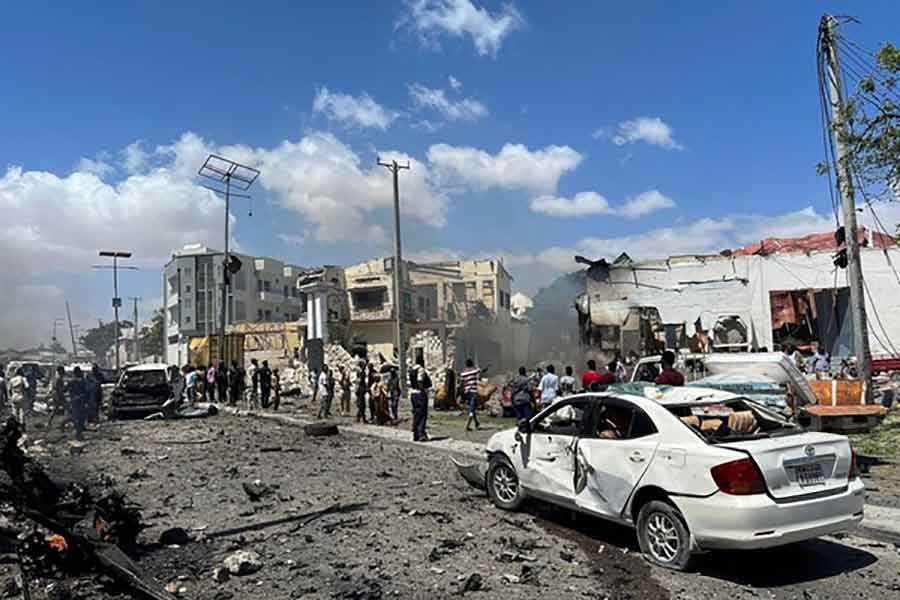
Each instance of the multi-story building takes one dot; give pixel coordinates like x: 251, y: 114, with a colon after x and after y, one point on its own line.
x: 263, y: 290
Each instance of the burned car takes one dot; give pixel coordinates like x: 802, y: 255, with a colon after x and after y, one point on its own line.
x: 141, y: 390
x: 691, y: 469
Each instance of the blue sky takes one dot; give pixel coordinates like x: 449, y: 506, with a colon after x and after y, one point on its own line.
x: 719, y: 99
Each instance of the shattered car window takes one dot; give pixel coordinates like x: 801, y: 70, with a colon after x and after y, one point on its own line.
x: 144, y: 380
x: 733, y: 420
x: 565, y: 420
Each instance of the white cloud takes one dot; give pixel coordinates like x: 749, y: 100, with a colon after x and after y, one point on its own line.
x: 651, y: 130
x: 455, y: 83
x: 592, y: 203
x: 134, y: 157
x: 96, y: 166
x: 466, y: 109
x: 325, y: 182
x: 460, y: 18
x: 291, y: 239
x: 581, y: 204
x: 514, y: 167
x: 644, y: 204
x: 361, y: 111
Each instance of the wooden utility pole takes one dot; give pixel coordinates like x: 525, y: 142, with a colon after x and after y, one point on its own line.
x: 399, y: 335
x: 845, y: 187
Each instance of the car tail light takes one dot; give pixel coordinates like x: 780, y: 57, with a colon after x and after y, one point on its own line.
x: 739, y: 477
x: 853, y: 474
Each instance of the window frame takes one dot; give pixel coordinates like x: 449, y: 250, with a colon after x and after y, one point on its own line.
x: 620, y: 403
x: 556, y: 407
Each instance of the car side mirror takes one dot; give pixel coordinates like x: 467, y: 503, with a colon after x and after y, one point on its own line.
x: 524, y: 427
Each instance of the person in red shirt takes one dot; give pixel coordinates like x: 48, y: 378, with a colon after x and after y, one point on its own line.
x: 590, y: 376
x: 669, y: 376
x: 608, y: 377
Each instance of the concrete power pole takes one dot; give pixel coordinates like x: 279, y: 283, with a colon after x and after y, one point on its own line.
x: 137, y: 336
x: 848, y: 204
x: 399, y: 336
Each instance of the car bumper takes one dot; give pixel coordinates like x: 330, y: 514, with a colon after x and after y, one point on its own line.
x: 747, y: 522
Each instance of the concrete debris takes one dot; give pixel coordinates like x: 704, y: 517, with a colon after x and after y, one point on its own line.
x: 257, y: 490
x: 243, y: 562
x: 221, y: 574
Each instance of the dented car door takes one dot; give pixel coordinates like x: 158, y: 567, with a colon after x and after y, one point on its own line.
x: 611, y: 459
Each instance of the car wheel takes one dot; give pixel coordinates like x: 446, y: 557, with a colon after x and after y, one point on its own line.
x: 503, y: 485
x: 663, y: 536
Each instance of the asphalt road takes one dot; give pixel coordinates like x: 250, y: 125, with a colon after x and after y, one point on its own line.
x: 423, y: 533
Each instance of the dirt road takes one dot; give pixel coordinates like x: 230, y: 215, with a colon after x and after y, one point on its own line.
x: 423, y: 533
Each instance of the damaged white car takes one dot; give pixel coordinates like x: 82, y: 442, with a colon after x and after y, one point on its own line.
x: 691, y: 469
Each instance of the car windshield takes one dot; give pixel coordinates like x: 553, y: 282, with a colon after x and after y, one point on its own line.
x: 733, y: 420
x: 142, y: 380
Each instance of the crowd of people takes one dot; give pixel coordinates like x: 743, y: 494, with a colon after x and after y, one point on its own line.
x: 75, y: 399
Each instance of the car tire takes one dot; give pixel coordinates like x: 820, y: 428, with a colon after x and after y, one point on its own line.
x: 503, y: 486
x: 663, y: 536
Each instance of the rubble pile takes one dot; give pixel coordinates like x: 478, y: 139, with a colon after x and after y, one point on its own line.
x: 59, y: 530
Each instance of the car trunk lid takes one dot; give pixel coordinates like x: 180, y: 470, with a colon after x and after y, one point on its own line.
x: 799, y: 465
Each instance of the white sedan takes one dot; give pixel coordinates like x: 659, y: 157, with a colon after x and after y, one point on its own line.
x: 691, y: 469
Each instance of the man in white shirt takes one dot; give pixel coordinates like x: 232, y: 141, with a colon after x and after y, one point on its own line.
x: 549, y: 387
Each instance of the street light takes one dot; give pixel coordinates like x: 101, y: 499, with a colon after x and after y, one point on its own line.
x: 230, y: 173
x: 116, y: 301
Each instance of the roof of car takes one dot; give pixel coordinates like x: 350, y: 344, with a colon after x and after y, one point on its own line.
x: 663, y: 394
x: 149, y: 367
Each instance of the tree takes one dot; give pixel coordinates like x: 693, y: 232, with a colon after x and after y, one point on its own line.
x: 152, y: 338
x: 871, y: 116
x: 101, y: 338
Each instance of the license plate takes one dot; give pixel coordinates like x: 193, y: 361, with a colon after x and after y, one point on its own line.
x: 808, y: 475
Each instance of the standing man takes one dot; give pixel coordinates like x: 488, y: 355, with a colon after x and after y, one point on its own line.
x: 521, y: 396
x: 58, y: 398
x: 669, y: 376
x: 3, y: 393
x: 78, y: 399
x: 394, y: 391
x: 211, y: 384
x: 176, y: 383
x: 94, y: 384
x: 18, y: 391
x: 567, y: 383
x: 345, y: 389
x: 276, y: 389
x: 361, y: 393
x: 221, y: 378
x: 419, y: 383
x: 469, y: 377
x: 818, y: 364
x: 370, y: 381
x: 265, y: 384
x: 235, y: 381
x: 549, y: 387
x: 324, y: 399
x: 591, y: 376
x: 253, y: 376
x: 620, y: 370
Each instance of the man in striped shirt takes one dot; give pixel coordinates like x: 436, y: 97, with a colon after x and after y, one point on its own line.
x: 469, y: 377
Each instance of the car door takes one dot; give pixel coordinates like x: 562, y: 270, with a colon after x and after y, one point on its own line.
x: 548, y: 450
x: 612, y: 456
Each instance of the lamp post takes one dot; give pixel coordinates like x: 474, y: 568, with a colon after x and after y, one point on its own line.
x: 116, y: 301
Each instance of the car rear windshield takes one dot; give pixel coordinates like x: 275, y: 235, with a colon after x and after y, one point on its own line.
x: 733, y: 420
x: 143, y: 380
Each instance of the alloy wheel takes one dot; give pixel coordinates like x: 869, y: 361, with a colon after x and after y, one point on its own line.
x: 506, y: 484
x: 662, y: 536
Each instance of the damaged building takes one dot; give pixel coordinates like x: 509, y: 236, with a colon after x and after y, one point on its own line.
x: 773, y: 293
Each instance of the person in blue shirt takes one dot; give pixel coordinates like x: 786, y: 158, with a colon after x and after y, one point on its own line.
x: 78, y: 400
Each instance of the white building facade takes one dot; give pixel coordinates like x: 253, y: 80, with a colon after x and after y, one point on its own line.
x: 263, y: 290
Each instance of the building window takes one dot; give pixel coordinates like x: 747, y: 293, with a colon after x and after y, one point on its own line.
x: 187, y: 304
x: 259, y: 315
x: 259, y: 285
x: 187, y: 272
x: 268, y: 315
x: 286, y: 291
x: 368, y: 299
x: 488, y: 286
x: 459, y: 292
x: 187, y: 288
x: 267, y: 286
x: 187, y: 320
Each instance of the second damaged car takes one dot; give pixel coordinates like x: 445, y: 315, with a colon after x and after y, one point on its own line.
x: 690, y: 469
x: 141, y: 390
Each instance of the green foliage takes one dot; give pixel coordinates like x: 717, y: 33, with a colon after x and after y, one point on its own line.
x: 101, y: 338
x: 152, y: 338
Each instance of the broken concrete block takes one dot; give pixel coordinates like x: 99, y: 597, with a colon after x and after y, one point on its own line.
x: 243, y: 562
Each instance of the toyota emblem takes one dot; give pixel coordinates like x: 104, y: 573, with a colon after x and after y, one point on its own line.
x: 810, y: 451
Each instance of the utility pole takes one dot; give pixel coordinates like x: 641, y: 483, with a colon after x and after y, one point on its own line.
x: 399, y: 338
x: 227, y: 172
x: 71, y: 329
x: 828, y: 28
x: 137, y: 337
x: 116, y: 301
